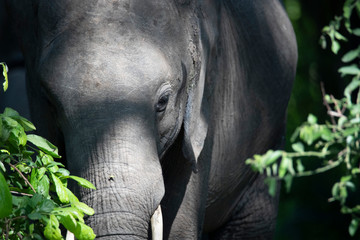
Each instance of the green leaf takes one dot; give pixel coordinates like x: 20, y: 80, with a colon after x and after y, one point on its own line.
x: 326, y: 133
x: 68, y: 221
x: 46, y: 159
x: 43, y: 186
x: 346, y: 178
x: 72, y: 197
x: 60, y: 189
x: 350, y: 88
x: 356, y: 32
x: 349, y: 70
x: 84, y: 232
x: 312, y: 119
x: 35, y: 200
x: 299, y: 166
x: 353, y: 226
x: 20, y: 201
x: 284, y: 166
x: 350, y: 185
x: 343, y: 194
x: 272, y: 184
x: 347, y: 8
x: 349, y: 140
x: 355, y: 120
x: 13, y: 132
x: 26, y: 124
x: 340, y: 37
x: 9, y: 112
x: 44, y: 145
x: 298, y: 147
x: 40, y: 173
x: 2, y: 167
x: 275, y: 169
x: 70, y: 210
x: 350, y: 131
x: 46, y: 206
x: 5, y: 151
x: 5, y: 198
x: 309, y: 134
x: 35, y: 216
x: 52, y: 230
x: 33, y: 178
x: 335, y: 46
x: 5, y: 71
x: 52, y: 164
x: 335, y: 190
x: 322, y: 42
x: 271, y: 156
x: 326, y: 29
x: 288, y: 182
x: 84, y: 208
x: 347, y: 25
x: 341, y: 121
x: 82, y: 182
x: 351, y: 55
x: 31, y: 229
x: 63, y: 172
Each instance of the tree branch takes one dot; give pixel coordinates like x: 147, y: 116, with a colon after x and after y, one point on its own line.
x: 25, y: 179
x: 327, y: 104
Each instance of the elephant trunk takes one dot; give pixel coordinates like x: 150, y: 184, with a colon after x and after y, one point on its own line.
x: 127, y: 174
x: 156, y: 226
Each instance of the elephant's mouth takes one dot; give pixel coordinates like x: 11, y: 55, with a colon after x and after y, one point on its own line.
x: 156, y: 226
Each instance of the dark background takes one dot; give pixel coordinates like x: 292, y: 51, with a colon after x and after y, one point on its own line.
x: 305, y: 212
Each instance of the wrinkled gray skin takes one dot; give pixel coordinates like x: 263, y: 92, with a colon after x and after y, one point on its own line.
x: 99, y: 75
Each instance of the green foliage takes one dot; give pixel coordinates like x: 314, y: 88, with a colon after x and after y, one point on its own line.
x: 34, y: 198
x: 5, y: 71
x: 335, y: 143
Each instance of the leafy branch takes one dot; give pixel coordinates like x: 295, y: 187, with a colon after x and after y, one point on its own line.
x: 335, y: 143
x: 34, y: 198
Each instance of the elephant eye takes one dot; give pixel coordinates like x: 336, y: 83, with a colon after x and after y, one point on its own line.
x: 162, y: 102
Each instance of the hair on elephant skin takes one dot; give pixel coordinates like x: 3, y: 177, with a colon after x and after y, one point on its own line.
x: 168, y: 97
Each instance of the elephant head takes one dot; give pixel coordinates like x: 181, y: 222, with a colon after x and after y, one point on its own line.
x: 119, y: 79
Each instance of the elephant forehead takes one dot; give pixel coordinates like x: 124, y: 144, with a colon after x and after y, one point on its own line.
x: 105, y: 20
x: 99, y: 72
x: 142, y: 66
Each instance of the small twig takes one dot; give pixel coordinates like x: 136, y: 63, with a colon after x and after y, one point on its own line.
x: 27, y: 181
x: 327, y: 104
x: 8, y: 224
x: 335, y: 114
x: 307, y: 154
x: 20, y: 193
x: 16, y: 218
x: 336, y: 105
x: 319, y: 170
x: 7, y: 230
x: 342, y: 152
x: 19, y: 235
x: 343, y: 108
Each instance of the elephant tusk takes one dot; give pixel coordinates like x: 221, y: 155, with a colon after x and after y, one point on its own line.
x: 70, y: 236
x: 157, y: 224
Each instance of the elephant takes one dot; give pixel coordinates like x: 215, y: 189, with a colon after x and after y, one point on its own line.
x: 159, y: 103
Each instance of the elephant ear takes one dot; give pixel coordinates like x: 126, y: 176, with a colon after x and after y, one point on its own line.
x: 195, y: 118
